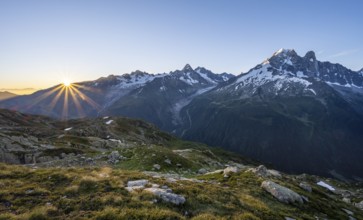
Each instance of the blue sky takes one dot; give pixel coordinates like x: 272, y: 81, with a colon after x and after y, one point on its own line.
x: 42, y: 42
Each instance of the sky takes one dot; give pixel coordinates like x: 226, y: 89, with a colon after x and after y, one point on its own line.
x: 42, y: 42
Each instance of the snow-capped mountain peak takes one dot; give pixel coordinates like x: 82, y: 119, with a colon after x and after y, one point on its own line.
x: 285, y: 70
x: 284, y: 52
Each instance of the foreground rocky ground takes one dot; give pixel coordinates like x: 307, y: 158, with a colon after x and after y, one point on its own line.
x: 112, y: 193
x: 118, y: 168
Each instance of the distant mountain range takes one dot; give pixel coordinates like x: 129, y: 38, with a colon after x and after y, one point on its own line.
x: 6, y: 95
x: 296, y: 113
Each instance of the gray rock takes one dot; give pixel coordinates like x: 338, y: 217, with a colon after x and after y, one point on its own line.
x: 215, y: 172
x: 114, y: 157
x: 171, y: 180
x: 359, y: 205
x: 260, y: 171
x: 346, y: 200
x: 274, y: 173
x: 230, y: 170
x: 167, y: 196
x: 305, y: 186
x: 167, y: 161
x: 202, y: 171
x: 281, y: 193
x: 157, y: 166
x: 133, y: 188
x: 155, y: 185
x: 137, y: 183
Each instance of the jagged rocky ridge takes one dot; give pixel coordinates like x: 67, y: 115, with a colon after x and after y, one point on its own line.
x: 287, y: 105
x: 157, y: 98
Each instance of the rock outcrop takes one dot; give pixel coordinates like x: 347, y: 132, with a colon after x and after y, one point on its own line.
x: 167, y: 196
x: 281, y: 193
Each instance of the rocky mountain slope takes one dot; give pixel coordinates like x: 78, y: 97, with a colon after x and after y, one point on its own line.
x: 155, y: 98
x: 119, y: 168
x: 297, y: 113
x: 287, y: 105
x: 28, y: 139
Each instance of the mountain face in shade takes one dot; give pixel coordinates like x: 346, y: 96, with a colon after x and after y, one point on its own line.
x: 297, y: 113
x: 6, y: 95
x: 294, y: 112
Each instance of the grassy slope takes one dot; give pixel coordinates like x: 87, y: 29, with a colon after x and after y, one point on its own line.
x: 99, y: 193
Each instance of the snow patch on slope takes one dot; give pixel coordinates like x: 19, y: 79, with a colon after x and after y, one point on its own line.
x: 136, y: 80
x: 345, y: 85
x: 325, y: 185
x: 109, y: 122
x: 313, y: 91
x: 188, y: 79
x: 205, y: 76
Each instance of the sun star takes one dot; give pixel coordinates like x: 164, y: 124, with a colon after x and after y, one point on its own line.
x: 66, y: 83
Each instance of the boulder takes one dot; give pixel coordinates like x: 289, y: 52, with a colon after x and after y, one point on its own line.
x: 114, y: 157
x: 274, y: 173
x: 305, y: 186
x: 230, y: 170
x: 215, y: 172
x: 346, y: 200
x: 359, y: 205
x: 156, y: 166
x: 167, y: 196
x: 136, y: 185
x: 281, y: 193
x: 202, y: 171
x: 260, y: 171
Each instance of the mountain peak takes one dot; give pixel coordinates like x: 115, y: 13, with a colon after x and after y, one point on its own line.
x: 284, y: 52
x: 187, y: 67
x: 310, y: 55
x: 139, y: 72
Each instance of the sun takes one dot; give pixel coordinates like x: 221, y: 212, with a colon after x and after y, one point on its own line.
x: 66, y: 83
